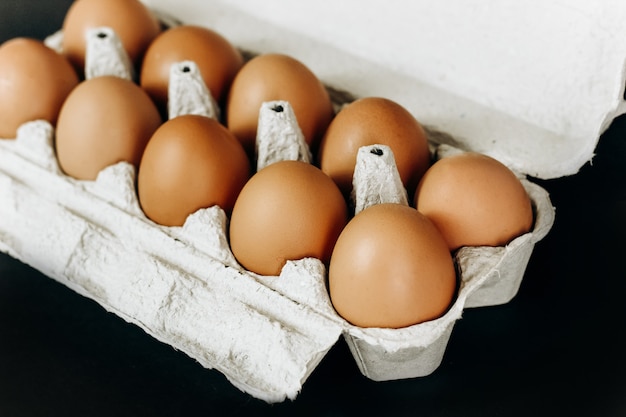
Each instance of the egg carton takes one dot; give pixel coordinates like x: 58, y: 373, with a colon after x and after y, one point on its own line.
x: 183, y: 286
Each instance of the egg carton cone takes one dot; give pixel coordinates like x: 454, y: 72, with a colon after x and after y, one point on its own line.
x: 266, y: 334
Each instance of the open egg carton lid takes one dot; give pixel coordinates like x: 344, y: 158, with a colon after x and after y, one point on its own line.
x: 533, y: 84
x: 266, y: 334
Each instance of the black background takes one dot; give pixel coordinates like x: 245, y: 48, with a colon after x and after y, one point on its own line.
x: 556, y: 349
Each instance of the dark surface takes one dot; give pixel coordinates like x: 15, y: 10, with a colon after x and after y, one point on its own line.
x: 556, y: 349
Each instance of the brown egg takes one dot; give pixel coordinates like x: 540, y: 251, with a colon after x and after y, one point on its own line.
x: 131, y: 20
x: 34, y: 82
x: 370, y: 121
x: 474, y: 200
x: 272, y: 77
x: 104, y: 120
x: 217, y: 60
x: 391, y: 268
x: 191, y: 162
x: 288, y: 210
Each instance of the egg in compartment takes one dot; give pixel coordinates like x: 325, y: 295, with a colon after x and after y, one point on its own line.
x: 368, y: 121
x: 104, y: 120
x: 216, y: 58
x: 132, y: 21
x: 34, y: 82
x: 288, y: 210
x: 474, y: 200
x: 191, y: 162
x: 391, y: 268
x: 274, y: 76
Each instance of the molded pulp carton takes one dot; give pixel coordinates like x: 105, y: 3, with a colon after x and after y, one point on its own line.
x: 532, y: 84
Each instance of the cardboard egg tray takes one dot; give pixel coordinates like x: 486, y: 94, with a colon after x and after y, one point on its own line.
x: 266, y: 334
